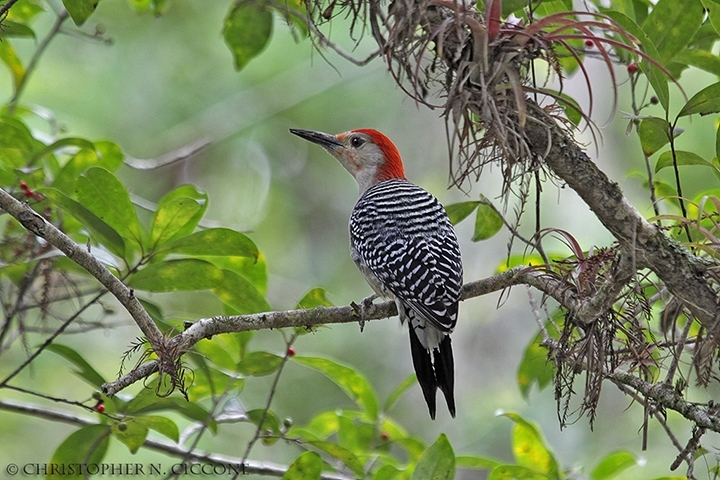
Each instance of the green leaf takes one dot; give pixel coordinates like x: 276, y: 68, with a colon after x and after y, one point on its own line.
x: 85, y: 371
x: 259, y: 364
x: 80, y: 143
x: 487, y: 223
x: 713, y: 10
x: 683, y: 158
x: 10, y: 58
x: 177, y: 275
x: 529, y: 447
x: 236, y: 292
x: 270, y: 423
x: 15, y: 29
x: 399, y: 391
x: 147, y: 401
x: 308, y: 466
x: 701, y: 59
x: 247, y: 30
x: 612, y: 465
x: 653, y: 133
x: 317, y: 297
x: 671, y: 25
x: 355, y: 435
x: 104, y: 195
x: 85, y: 446
x: 534, y: 368
x: 516, y: 472
x: 457, y: 212
x: 212, y: 242
x: 437, y: 462
x: 76, y: 166
x: 162, y: 425
x: 17, y: 144
x: 132, y: 433
x: 24, y: 11
x: 252, y: 269
x: 80, y: 10
x: 658, y: 80
x: 191, y: 192
x: 351, y: 382
x: 342, y: 454
x: 170, y: 218
x: 704, y: 102
x: 103, y: 233
x: 476, y: 463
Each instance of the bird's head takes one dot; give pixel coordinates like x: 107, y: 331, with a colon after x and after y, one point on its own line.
x: 367, y: 154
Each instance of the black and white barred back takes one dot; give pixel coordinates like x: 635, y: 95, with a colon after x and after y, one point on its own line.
x: 404, y: 244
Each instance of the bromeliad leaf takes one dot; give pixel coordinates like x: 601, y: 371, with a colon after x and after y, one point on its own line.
x: 104, y: 195
x: 351, y: 382
x: 247, y: 30
x: 437, y: 462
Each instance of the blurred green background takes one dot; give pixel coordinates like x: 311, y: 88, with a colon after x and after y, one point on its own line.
x: 167, y: 82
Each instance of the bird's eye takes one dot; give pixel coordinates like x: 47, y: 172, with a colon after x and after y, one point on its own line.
x: 356, y: 142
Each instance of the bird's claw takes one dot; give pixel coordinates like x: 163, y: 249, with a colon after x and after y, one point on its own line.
x: 362, y: 309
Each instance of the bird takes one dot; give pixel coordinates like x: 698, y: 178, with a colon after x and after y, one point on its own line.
x: 403, y: 243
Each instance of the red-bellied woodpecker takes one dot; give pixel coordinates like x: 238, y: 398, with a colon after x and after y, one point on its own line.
x: 403, y: 243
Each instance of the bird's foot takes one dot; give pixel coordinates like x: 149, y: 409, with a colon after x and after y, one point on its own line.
x: 361, y: 310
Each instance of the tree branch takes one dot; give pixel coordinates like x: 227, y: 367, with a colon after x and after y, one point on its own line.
x: 37, y: 225
x: 677, y: 267
x: 207, y: 327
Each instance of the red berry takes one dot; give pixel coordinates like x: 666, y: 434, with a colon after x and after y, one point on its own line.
x: 290, y: 352
x: 385, y: 436
x: 100, y: 408
x: 632, y: 68
x: 589, y: 43
x: 23, y: 185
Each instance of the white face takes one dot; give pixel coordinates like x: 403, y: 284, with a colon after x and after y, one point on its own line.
x: 360, y: 156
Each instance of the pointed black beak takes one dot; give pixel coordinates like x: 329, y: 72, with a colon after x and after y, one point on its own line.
x: 325, y: 140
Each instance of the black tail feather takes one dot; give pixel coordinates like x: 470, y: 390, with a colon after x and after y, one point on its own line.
x: 444, y: 372
x: 422, y: 361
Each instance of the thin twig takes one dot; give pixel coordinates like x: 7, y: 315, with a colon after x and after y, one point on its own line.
x: 248, y: 466
x: 32, y: 64
x: 271, y: 395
